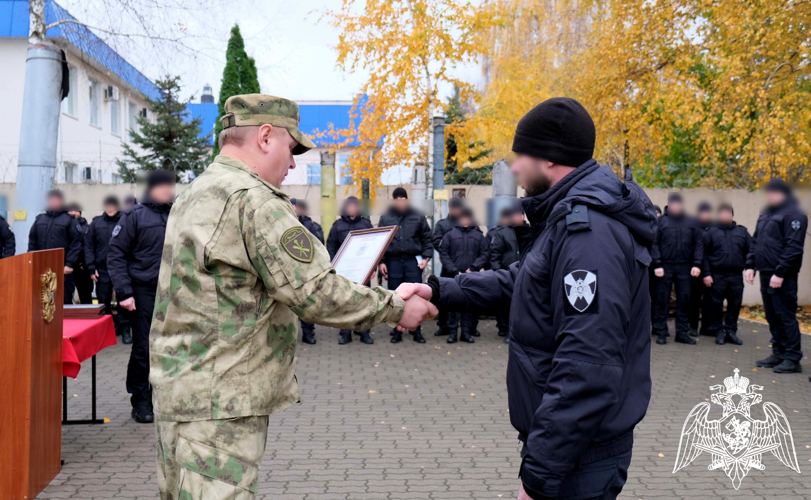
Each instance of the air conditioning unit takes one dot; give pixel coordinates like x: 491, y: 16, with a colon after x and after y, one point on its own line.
x: 143, y: 112
x: 111, y: 93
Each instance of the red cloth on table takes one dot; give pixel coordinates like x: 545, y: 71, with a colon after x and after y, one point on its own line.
x: 82, y: 339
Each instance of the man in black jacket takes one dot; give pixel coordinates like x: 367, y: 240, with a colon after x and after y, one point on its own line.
x: 677, y: 253
x: 455, y: 206
x: 777, y: 252
x: 700, y: 301
x: 134, y: 261
x: 463, y: 249
x: 8, y: 244
x: 504, y: 252
x: 307, y: 329
x: 726, y: 245
x: 652, y: 279
x: 96, y: 248
x: 351, y: 220
x: 81, y: 276
x: 409, y: 251
x: 578, y: 376
x: 57, y: 229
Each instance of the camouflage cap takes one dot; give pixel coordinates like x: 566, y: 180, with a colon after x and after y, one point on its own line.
x: 260, y: 109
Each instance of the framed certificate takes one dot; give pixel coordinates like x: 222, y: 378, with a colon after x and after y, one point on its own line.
x: 361, y: 252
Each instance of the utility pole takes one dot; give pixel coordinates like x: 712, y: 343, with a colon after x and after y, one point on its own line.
x: 504, y: 191
x: 440, y: 206
x: 39, y: 130
x: 328, y: 200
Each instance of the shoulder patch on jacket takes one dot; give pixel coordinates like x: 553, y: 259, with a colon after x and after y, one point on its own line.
x: 116, y: 230
x: 580, y: 287
x: 578, y: 219
x: 296, y: 242
x: 795, y: 225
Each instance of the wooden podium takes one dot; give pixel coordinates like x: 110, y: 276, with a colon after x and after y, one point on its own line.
x: 31, y: 372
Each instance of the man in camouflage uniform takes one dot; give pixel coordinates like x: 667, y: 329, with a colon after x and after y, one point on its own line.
x: 237, y: 268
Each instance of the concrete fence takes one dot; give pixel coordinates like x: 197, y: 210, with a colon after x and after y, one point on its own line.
x: 747, y: 206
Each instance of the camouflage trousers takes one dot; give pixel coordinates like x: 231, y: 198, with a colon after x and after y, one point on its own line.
x: 210, y: 459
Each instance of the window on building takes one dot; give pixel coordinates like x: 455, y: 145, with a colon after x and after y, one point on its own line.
x: 458, y: 193
x: 88, y: 174
x: 95, y: 103
x: 314, y: 174
x: 69, y: 102
x: 132, y: 114
x: 70, y: 173
x: 343, y: 168
x: 116, y: 178
x: 115, y: 118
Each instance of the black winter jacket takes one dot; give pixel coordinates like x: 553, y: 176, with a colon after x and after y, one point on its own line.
x: 341, y: 228
x: 57, y: 230
x: 503, y: 247
x: 463, y: 248
x: 441, y: 228
x: 313, y: 227
x: 777, y: 246
x: 678, y: 241
x: 725, y: 249
x: 8, y: 244
x: 578, y: 375
x: 97, y: 241
x: 134, y: 256
x: 412, y: 239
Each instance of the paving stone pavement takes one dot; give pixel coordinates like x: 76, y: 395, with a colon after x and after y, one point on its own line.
x: 411, y: 421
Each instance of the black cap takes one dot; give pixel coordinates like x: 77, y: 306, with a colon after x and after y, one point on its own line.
x: 301, y: 204
x: 111, y: 200
x: 456, y: 203
x: 399, y: 192
x: 704, y: 206
x: 779, y: 185
x: 159, y: 177
x: 293, y: 201
x: 559, y: 130
x: 674, y: 198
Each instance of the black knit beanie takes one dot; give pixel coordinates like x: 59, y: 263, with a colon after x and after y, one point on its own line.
x: 399, y: 192
x: 779, y: 185
x: 159, y: 177
x: 559, y: 130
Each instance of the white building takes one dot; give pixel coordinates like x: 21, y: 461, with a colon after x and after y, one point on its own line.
x: 106, y: 95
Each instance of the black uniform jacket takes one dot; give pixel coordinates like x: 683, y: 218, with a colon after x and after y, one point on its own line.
x: 678, y: 241
x: 57, y: 230
x: 777, y: 246
x: 313, y: 227
x: 503, y: 247
x: 463, y: 248
x: 8, y: 243
x: 725, y: 249
x: 97, y: 241
x: 341, y: 228
x: 412, y: 239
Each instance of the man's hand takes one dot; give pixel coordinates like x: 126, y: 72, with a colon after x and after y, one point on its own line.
x: 522, y: 495
x: 407, y: 290
x: 68, y: 270
x: 749, y: 276
x: 776, y: 281
x: 423, y: 264
x: 695, y: 272
x: 95, y: 276
x: 128, y: 304
x: 659, y: 272
x: 708, y: 281
x: 384, y: 271
x: 467, y: 270
x: 416, y: 311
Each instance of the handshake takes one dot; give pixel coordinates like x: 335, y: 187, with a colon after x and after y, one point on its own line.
x: 418, y: 307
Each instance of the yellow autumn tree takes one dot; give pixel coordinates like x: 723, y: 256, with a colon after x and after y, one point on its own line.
x: 411, y: 49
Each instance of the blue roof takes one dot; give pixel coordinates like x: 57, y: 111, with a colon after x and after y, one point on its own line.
x: 314, y: 118
x: 14, y: 22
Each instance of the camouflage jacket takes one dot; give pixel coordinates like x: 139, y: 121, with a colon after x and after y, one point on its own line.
x: 237, y: 267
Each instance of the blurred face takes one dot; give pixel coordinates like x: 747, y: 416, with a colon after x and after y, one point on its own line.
x: 454, y: 212
x: 658, y: 213
x: 400, y: 204
x: 54, y: 203
x: 725, y: 217
x: 505, y: 221
x: 352, y: 209
x: 300, y: 210
x: 532, y: 174
x: 775, y: 198
x: 705, y: 217
x: 110, y: 208
x: 74, y: 214
x: 465, y: 221
x: 676, y: 208
x: 518, y: 219
x: 162, y: 193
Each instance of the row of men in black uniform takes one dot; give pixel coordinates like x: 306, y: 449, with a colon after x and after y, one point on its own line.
x: 708, y: 260
x: 461, y: 244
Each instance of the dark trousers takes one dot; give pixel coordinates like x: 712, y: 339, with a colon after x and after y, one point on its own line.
x: 503, y: 323
x: 600, y: 480
x: 780, y: 305
x: 443, y: 316
x: 729, y: 287
x: 653, y: 282
x: 84, y: 285
x: 104, y: 292
x: 70, y: 287
x: 403, y: 270
x: 700, y: 304
x: 678, y: 275
x: 307, y: 327
x: 138, y: 368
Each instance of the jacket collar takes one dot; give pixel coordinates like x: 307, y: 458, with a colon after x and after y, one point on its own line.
x: 233, y: 162
x: 113, y: 218
x: 539, y: 208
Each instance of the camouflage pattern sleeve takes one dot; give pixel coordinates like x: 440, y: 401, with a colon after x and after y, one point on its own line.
x: 297, y: 272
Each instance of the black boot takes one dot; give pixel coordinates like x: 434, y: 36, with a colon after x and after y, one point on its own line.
x: 452, y: 337
x: 467, y: 338
x: 719, y: 338
x: 441, y: 332
x: 476, y: 333
x: 346, y: 337
x: 126, y: 336
x: 396, y: 336
x: 733, y: 339
x: 788, y: 366
x: 661, y: 340
x: 308, y: 337
x: 418, y: 337
x: 366, y: 338
x: 770, y: 362
x: 143, y: 414
x: 685, y: 340
x: 507, y: 339
x: 693, y: 332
